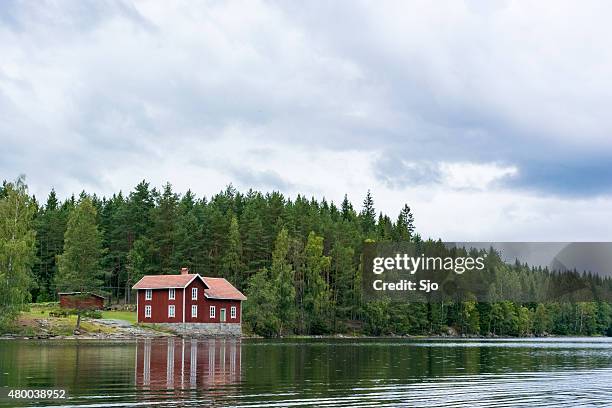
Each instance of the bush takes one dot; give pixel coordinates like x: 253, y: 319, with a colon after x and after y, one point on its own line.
x: 92, y: 314
x: 58, y: 312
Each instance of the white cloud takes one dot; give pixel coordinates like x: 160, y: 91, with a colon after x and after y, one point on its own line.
x: 488, y: 118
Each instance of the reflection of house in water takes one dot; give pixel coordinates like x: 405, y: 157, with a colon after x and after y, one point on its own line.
x: 176, y: 363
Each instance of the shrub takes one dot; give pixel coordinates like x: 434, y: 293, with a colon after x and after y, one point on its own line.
x: 92, y: 314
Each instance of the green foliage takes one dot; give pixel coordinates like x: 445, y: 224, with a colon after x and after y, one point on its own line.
x: 231, y: 264
x: 541, y: 320
x: 79, y: 265
x: 368, y: 215
x: 283, y: 280
x: 17, y: 250
x: 377, y: 318
x: 469, y: 317
x: 316, y: 298
x: 261, y: 307
x: 92, y: 314
x: 50, y: 224
x: 298, y: 260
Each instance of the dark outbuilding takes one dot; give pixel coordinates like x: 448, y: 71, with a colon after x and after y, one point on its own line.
x: 81, y: 300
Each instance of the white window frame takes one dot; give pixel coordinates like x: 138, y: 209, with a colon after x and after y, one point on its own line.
x: 194, y: 293
x: 233, y: 312
x: 213, y: 312
x: 171, y: 311
x: 171, y: 294
x: 148, y: 311
x: 148, y: 294
x: 194, y: 310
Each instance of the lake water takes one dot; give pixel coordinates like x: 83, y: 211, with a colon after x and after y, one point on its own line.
x: 342, y: 372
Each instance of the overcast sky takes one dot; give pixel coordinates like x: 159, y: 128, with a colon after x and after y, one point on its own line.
x: 490, y: 118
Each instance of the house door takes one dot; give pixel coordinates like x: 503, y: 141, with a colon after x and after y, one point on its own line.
x: 222, y: 315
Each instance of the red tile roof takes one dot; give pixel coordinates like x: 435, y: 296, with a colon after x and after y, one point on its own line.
x: 217, y: 288
x: 164, y: 281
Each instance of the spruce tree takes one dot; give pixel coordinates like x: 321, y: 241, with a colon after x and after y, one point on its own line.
x: 404, y: 227
x: 368, y: 215
x: 347, y: 209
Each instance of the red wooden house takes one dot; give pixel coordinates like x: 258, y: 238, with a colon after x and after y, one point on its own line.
x: 190, y: 302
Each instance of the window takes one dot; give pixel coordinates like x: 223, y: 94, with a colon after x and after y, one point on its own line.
x: 171, y: 311
x: 194, y: 310
x: 233, y: 312
x: 148, y: 311
x: 171, y: 294
x: 148, y: 294
x: 212, y: 312
x: 194, y: 293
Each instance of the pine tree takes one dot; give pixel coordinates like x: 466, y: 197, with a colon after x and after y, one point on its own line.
x: 79, y: 266
x: 186, y: 234
x: 140, y: 204
x: 17, y: 249
x: 114, y: 226
x: 140, y: 261
x: 50, y: 228
x: 163, y: 232
x: 254, y: 247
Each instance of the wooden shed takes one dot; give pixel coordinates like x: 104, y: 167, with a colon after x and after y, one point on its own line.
x: 81, y: 300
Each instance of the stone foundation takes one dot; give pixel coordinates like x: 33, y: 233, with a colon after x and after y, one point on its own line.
x: 205, y: 329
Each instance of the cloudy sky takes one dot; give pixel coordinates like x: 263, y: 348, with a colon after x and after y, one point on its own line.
x: 490, y: 118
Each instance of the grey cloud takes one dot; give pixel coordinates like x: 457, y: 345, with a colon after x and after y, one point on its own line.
x: 396, y: 172
x: 418, y: 85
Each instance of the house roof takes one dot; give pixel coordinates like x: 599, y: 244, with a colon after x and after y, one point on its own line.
x: 81, y: 293
x: 219, y: 288
x: 216, y: 288
x: 165, y: 281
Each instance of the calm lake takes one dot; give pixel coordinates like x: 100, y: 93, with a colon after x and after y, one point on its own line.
x: 344, y: 372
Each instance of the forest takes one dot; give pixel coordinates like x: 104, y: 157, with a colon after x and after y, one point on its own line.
x: 298, y: 260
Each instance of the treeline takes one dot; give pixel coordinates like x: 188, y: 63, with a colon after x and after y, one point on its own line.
x: 298, y: 261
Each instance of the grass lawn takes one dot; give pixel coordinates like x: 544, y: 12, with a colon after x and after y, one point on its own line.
x: 30, y: 323
x: 120, y: 315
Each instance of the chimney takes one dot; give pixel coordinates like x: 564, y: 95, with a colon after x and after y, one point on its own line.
x: 184, y: 271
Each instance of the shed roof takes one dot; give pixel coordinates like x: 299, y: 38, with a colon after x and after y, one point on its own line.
x: 80, y: 293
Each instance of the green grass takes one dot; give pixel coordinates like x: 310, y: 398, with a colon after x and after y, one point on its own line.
x: 41, y: 310
x: 120, y: 315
